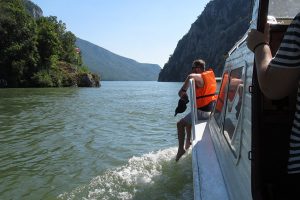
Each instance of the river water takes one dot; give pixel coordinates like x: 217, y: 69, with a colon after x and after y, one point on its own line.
x: 118, y: 141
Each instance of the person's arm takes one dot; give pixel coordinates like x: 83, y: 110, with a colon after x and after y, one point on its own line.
x: 184, y: 87
x: 274, y: 82
x: 186, y: 84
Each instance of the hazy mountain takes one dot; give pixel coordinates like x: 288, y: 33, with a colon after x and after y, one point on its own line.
x: 211, y: 36
x: 111, y: 66
x: 108, y: 65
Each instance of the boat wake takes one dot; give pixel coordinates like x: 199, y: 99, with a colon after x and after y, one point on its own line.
x: 154, y: 175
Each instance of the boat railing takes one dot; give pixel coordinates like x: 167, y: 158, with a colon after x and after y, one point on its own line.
x: 193, y: 106
x: 218, y: 79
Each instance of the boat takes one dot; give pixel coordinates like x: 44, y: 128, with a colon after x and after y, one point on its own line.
x: 241, y: 152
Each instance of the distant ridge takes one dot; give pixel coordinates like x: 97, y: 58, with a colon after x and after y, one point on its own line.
x: 113, y: 67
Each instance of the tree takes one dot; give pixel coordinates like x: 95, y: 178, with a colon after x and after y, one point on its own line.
x: 49, y: 44
x: 69, y: 53
x: 18, y: 53
x: 35, y: 52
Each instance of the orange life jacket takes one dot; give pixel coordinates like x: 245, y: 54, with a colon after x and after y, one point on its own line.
x: 221, y: 97
x: 206, y: 94
x: 232, y: 89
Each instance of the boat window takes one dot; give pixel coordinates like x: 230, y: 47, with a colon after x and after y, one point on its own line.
x: 284, y: 8
x: 233, y: 105
x: 219, y: 108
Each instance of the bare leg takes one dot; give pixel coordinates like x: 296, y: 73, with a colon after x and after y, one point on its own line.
x: 181, y: 136
x: 188, y: 129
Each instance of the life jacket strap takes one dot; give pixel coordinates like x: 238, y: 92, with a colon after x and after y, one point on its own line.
x: 208, y: 95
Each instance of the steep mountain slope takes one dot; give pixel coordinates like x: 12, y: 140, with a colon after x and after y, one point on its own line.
x: 210, y: 37
x: 33, y: 9
x: 114, y: 67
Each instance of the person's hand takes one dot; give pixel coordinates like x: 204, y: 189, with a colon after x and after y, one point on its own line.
x: 256, y: 38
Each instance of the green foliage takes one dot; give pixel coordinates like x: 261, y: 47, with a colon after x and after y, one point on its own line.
x: 18, y: 52
x: 31, y: 50
x: 57, y: 77
x: 69, y: 80
x: 68, y: 48
x: 83, y: 69
x: 42, y: 79
x: 48, y: 41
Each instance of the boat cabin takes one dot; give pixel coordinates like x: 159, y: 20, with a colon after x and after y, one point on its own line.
x: 249, y: 132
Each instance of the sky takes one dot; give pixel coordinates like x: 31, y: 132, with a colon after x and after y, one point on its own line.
x: 143, y: 30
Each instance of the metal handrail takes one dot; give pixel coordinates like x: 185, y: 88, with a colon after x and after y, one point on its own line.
x: 193, y: 106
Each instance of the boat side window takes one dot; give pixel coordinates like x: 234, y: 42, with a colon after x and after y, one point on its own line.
x: 219, y: 108
x: 233, y: 106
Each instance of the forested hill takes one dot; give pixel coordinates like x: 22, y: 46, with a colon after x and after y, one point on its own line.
x: 37, y: 51
x: 211, y: 36
x: 114, y: 67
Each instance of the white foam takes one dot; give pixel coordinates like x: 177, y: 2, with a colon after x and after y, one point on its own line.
x: 150, y: 170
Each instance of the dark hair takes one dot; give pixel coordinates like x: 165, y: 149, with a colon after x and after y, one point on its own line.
x: 199, y: 63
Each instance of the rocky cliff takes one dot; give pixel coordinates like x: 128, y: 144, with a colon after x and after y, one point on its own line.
x: 33, y: 9
x: 210, y: 37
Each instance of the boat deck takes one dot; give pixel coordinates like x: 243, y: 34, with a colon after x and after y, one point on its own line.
x: 208, y: 180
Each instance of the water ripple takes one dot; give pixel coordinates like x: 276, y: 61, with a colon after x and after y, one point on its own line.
x: 56, y: 139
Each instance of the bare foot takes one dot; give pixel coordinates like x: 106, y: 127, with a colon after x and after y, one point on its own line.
x: 187, y: 145
x: 179, y: 154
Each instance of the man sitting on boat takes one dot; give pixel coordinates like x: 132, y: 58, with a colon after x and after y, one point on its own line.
x: 206, y: 86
